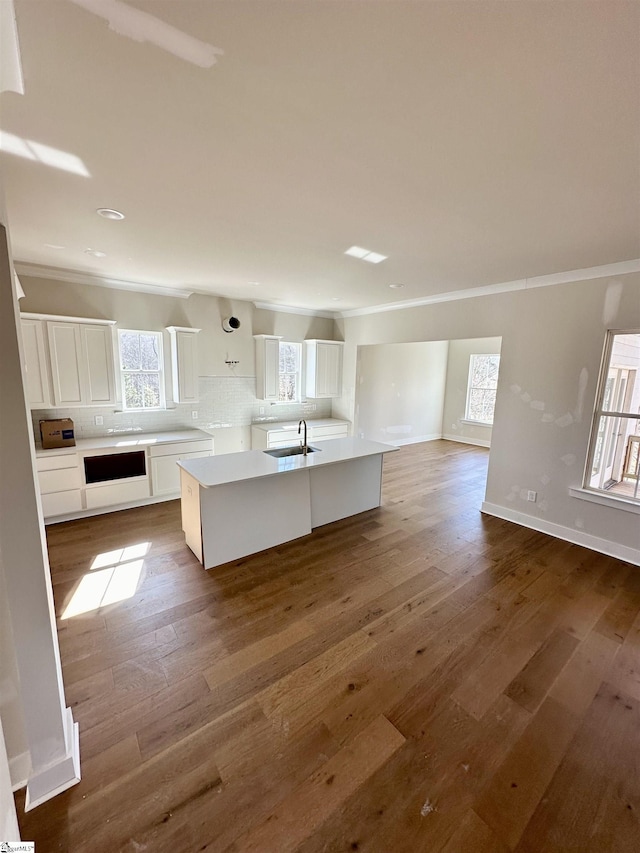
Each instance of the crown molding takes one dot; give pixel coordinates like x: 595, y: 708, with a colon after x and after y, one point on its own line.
x: 618, y: 268
x: 59, y: 274
x: 289, y: 309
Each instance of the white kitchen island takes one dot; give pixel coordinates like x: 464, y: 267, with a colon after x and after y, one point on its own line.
x: 241, y: 503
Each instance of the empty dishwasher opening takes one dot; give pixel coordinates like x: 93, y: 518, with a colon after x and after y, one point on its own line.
x: 115, y: 466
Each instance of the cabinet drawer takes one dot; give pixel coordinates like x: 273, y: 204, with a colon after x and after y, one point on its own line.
x: 290, y: 441
x: 59, y: 503
x: 203, y: 446
x: 59, y: 481
x: 117, y: 493
x: 63, y: 460
x: 330, y: 432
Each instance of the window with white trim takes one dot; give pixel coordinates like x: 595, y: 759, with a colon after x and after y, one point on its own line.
x: 141, y: 369
x: 290, y: 372
x: 613, y: 461
x: 481, y: 387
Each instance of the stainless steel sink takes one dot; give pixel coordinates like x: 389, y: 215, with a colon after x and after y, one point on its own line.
x: 281, y: 452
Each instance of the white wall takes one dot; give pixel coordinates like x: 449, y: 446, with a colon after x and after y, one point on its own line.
x: 454, y: 426
x: 552, y: 339
x: 400, y: 392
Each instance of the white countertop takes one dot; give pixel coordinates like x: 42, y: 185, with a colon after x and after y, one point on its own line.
x: 126, y: 440
x: 252, y: 464
x: 311, y: 422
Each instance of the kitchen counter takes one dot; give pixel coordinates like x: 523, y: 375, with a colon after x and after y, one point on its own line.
x: 125, y: 440
x: 253, y: 464
x: 267, y: 426
x: 241, y: 503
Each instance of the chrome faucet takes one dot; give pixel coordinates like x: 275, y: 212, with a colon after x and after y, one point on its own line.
x: 304, y: 445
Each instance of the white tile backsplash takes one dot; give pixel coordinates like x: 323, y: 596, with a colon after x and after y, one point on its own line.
x: 225, y: 401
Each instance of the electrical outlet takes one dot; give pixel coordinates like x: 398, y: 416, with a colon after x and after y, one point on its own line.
x: 262, y: 410
x: 98, y: 420
x: 194, y: 415
x: 532, y: 496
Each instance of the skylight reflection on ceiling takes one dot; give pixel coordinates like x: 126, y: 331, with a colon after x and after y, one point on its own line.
x: 30, y: 150
x: 143, y: 27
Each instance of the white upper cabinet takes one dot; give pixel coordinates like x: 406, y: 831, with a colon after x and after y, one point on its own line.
x: 96, y: 347
x: 184, y: 363
x: 267, y: 367
x: 323, y: 368
x: 79, y: 361
x: 36, y: 364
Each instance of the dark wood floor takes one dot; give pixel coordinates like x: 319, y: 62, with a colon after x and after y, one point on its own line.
x: 418, y: 678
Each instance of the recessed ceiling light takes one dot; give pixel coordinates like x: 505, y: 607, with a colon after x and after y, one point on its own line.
x: 357, y: 252
x: 336, y: 298
x: 396, y: 286
x: 365, y: 255
x: 254, y: 283
x: 374, y: 258
x: 95, y: 253
x: 109, y: 213
x: 54, y: 246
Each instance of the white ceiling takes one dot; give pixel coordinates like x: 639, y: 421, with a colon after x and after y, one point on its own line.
x: 474, y: 143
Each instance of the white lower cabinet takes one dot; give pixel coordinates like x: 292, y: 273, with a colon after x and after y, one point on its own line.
x: 118, y: 492
x: 63, y: 482
x: 165, y: 474
x: 60, y: 482
x: 285, y: 434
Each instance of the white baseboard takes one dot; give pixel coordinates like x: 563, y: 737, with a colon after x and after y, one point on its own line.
x: 105, y: 510
x: 19, y: 769
x: 415, y: 439
x: 479, y: 442
x: 62, y: 774
x: 577, y: 537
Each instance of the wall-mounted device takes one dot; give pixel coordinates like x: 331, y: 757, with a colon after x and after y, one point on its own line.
x: 230, y: 324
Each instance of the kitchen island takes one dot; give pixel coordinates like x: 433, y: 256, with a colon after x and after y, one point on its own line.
x: 241, y: 503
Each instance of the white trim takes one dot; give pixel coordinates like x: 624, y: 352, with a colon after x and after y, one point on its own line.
x: 57, y: 274
x: 190, y: 329
x: 415, y: 439
x: 619, y: 268
x: 476, y: 423
x: 568, y: 534
x: 610, y: 499
x: 463, y: 439
x: 104, y: 510
x: 19, y: 770
x: 60, y: 775
x: 58, y: 318
x: 290, y: 309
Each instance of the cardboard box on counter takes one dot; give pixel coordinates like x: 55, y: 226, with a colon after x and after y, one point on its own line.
x: 57, y: 433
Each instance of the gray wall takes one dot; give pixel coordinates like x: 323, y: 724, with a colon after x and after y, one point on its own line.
x: 552, y: 340
x: 400, y: 392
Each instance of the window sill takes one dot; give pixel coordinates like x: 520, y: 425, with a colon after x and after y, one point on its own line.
x: 475, y: 423
x: 613, y: 501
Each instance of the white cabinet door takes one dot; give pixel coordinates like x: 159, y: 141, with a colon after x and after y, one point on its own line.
x: 66, y: 363
x: 184, y: 364
x: 36, y: 364
x: 165, y: 474
x: 323, y: 368
x: 81, y: 364
x: 97, y: 352
x: 267, y: 367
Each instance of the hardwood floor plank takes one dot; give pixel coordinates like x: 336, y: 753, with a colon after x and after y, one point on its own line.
x: 593, y: 801
x: 297, y: 817
x: 532, y: 684
x: 513, y: 794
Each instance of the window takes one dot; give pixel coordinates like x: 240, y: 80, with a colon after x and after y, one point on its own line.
x: 613, y: 462
x: 141, y: 369
x: 481, y: 388
x: 289, y: 372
